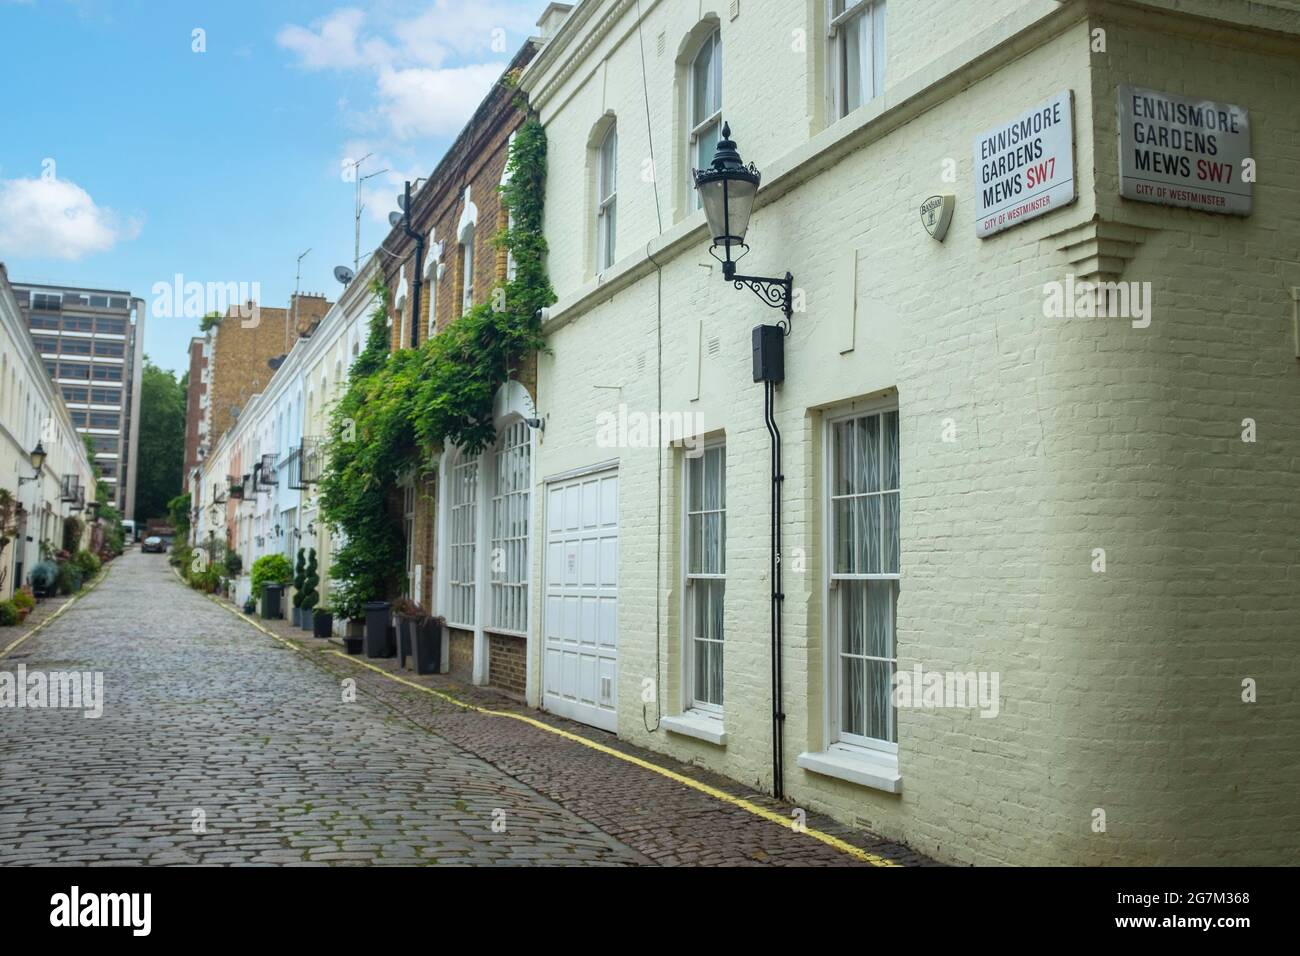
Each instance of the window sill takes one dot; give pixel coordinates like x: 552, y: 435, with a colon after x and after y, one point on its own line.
x: 697, y: 725
x: 876, y: 770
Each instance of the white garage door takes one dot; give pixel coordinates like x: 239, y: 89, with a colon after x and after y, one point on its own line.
x: 580, y: 657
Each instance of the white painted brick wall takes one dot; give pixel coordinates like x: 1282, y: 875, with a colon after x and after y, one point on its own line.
x: 1119, y: 691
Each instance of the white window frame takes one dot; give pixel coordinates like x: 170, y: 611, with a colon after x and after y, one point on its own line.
x: 462, y: 542
x: 408, y: 528
x: 836, y: 39
x: 607, y: 204
x: 690, y: 700
x: 699, y: 125
x: 467, y: 268
x: 836, y: 736
x: 508, y: 530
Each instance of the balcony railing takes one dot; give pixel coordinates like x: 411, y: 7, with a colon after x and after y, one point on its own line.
x: 312, y: 461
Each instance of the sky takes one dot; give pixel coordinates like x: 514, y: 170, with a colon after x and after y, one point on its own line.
x: 146, y: 139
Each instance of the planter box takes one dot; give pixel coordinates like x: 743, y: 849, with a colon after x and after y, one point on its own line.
x: 405, y: 627
x: 308, y: 620
x: 323, y: 624
x: 297, y: 617
x: 427, y: 647
x: 356, y: 636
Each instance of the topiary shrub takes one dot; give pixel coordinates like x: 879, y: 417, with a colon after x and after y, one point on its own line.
x: 234, y: 564
x: 300, y: 578
x: 45, y: 578
x: 9, y: 615
x: 310, y: 583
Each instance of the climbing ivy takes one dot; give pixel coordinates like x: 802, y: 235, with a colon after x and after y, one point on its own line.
x: 400, y: 406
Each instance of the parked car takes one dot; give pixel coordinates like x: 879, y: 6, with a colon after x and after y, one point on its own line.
x: 154, y: 544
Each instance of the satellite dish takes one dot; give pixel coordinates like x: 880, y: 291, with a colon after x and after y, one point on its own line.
x: 344, y: 274
x: 394, y: 218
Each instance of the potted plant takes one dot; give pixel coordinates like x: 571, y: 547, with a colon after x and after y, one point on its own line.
x: 310, y: 595
x: 347, y: 605
x: 323, y: 622
x: 25, y: 601
x: 44, y: 579
x: 409, y: 616
x: 299, y: 573
x: 426, y: 645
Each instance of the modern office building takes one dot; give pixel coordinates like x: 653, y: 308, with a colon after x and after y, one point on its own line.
x: 92, y: 343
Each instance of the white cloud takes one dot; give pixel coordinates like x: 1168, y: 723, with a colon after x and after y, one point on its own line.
x: 56, y: 219
x: 334, y: 43
x: 426, y: 102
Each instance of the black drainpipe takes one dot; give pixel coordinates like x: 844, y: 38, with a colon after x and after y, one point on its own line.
x: 769, y: 368
x: 419, y: 261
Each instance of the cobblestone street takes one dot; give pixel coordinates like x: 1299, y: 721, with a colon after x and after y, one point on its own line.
x: 210, y: 725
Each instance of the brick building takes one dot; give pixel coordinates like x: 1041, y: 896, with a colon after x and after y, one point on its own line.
x: 975, y: 480
x: 235, y: 361
x: 196, y: 402
x: 458, y: 214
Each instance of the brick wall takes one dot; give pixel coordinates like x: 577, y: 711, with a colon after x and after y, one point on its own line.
x: 193, y: 404
x: 460, y: 653
x: 241, y: 349
x: 507, y: 663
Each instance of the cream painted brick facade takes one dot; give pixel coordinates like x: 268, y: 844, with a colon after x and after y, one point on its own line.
x: 1119, y: 691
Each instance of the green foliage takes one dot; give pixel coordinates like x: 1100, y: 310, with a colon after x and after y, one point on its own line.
x: 310, y: 583
x: 399, y: 406
x: 207, y: 580
x: 45, y: 576
x: 161, y: 452
x: 299, y: 575
x: 209, y: 321
x: 178, y: 513
x: 234, y: 564
x: 8, y: 614
x: 271, y: 569
x: 69, y: 579
x: 73, y: 529
x: 87, y: 562
x: 23, y: 600
x: 182, y: 556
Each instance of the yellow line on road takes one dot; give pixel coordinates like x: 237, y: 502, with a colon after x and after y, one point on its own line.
x: 771, y: 816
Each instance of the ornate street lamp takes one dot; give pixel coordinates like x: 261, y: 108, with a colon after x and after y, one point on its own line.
x: 727, y: 191
x: 37, y: 458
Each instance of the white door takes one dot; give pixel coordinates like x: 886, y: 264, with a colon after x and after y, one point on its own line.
x: 580, y: 652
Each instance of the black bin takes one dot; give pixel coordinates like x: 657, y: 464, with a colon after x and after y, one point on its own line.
x: 379, y: 633
x: 272, y: 600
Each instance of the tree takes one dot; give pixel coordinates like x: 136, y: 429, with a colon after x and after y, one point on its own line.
x: 161, y: 454
x: 178, y: 513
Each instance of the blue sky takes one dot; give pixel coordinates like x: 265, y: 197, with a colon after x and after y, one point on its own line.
x: 128, y: 157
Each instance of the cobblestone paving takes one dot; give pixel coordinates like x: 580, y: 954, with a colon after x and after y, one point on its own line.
x: 204, y: 713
